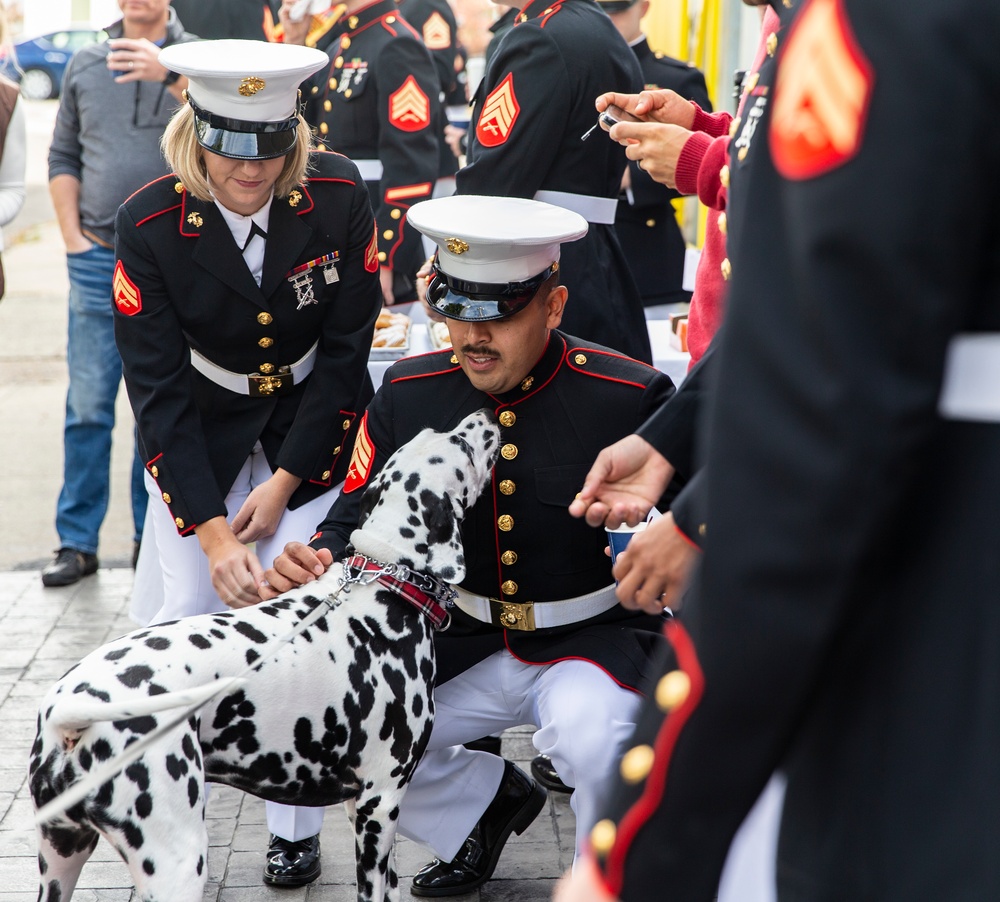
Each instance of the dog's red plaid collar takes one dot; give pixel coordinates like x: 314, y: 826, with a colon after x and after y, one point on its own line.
x: 426, y: 597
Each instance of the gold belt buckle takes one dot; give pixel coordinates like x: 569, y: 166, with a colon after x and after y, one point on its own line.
x: 513, y: 616
x: 265, y: 386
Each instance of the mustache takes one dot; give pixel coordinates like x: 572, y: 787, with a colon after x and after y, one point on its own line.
x: 479, y: 351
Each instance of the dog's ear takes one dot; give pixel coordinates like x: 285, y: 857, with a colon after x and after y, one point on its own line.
x: 441, y: 516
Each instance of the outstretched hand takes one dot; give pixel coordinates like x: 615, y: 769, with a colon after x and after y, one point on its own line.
x: 623, y: 485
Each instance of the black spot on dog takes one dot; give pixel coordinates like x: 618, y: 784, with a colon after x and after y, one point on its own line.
x: 138, y: 773
x: 199, y: 641
x: 148, y: 867
x: 177, y: 768
x: 87, y: 689
x: 249, y: 632
x: 102, y: 749
x: 133, y: 834
x: 135, y: 675
x: 158, y: 643
x: 144, y: 805
x: 412, y: 481
x: 140, y: 725
x: 435, y: 460
x: 412, y: 503
x: 406, y: 532
x: 117, y: 654
x: 396, y: 476
x: 193, y: 790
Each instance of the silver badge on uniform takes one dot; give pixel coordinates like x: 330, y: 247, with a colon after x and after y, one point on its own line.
x: 303, y: 285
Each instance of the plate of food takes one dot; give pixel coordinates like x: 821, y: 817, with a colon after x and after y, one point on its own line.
x: 439, y: 335
x: 392, y: 336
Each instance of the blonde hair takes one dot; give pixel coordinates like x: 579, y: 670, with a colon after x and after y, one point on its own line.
x: 186, y: 156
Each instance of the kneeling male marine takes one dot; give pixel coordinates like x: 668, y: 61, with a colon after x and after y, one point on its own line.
x: 537, y: 636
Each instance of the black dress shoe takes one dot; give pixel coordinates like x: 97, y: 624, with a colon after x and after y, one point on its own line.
x: 292, y: 863
x: 544, y: 772
x: 69, y: 567
x: 516, y: 804
x: 489, y: 744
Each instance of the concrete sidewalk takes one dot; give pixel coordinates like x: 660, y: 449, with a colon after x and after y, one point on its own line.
x: 45, y: 631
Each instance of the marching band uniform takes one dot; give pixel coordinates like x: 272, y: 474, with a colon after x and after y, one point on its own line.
x: 871, y: 672
x: 379, y: 104
x: 532, y: 107
x: 245, y: 339
x: 522, y: 550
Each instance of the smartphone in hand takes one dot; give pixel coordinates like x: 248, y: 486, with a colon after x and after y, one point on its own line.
x: 613, y: 115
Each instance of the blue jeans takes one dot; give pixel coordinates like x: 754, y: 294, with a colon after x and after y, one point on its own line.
x: 95, y: 372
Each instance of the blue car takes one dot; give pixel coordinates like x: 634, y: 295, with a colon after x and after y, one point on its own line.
x: 39, y: 63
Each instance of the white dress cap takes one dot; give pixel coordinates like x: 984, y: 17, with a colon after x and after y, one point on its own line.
x: 251, y: 81
x: 495, y: 239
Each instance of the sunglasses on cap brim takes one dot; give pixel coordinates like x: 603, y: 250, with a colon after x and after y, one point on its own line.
x: 481, y: 301
x: 242, y: 140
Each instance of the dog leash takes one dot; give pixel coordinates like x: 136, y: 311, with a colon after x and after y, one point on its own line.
x: 78, y: 791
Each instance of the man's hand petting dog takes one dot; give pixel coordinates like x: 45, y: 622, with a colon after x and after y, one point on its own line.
x: 297, y: 565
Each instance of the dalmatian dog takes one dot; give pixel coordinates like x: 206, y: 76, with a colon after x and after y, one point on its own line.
x: 341, y: 713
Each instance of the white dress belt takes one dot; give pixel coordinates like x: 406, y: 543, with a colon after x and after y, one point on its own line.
x: 282, y: 379
x: 599, y: 210
x: 529, y: 615
x: 371, y: 170
x: 971, y: 386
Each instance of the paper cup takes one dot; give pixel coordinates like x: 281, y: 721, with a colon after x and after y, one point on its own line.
x: 620, y: 537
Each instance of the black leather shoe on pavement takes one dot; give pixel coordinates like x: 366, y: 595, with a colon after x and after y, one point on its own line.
x: 516, y: 804
x: 70, y: 566
x: 544, y: 772
x: 292, y: 863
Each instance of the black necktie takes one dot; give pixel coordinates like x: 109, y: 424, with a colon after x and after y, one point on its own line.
x: 254, y: 230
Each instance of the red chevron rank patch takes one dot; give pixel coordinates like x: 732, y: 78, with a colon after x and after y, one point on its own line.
x: 371, y: 252
x: 409, y: 108
x: 128, y: 298
x: 361, y: 460
x: 500, y: 112
x: 436, y: 32
x: 822, y: 92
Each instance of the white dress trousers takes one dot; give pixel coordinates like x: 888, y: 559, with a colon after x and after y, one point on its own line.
x: 187, y: 585
x: 582, y: 716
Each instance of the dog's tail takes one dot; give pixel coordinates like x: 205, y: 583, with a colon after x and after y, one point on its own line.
x: 72, y: 714
x: 67, y: 718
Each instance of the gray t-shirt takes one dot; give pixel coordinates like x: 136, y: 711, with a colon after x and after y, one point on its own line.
x: 107, y: 135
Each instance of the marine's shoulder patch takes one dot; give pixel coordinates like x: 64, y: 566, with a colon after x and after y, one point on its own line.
x: 409, y: 107
x: 824, y: 85
x: 500, y: 112
x: 126, y: 294
x: 362, y: 457
x: 436, y: 32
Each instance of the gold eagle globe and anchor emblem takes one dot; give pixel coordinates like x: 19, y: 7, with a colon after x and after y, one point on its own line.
x: 251, y: 85
x: 457, y: 245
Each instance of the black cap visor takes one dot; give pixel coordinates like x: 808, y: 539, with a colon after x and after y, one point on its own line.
x: 241, y: 140
x: 475, y: 302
